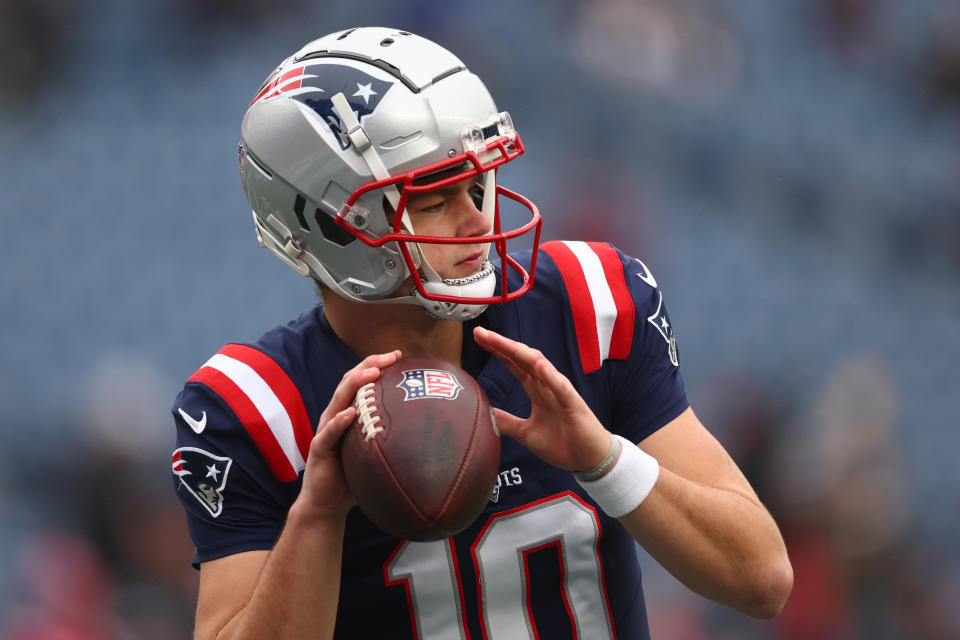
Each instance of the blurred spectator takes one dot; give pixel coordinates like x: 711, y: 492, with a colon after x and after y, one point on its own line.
x: 684, y: 49
x: 112, y: 561
x: 848, y: 25
x: 751, y: 422
x: 820, y: 604
x: 31, y: 43
x: 601, y: 202
x: 942, y: 67
x: 66, y: 593
x: 926, y: 592
x: 125, y: 499
x: 861, y: 470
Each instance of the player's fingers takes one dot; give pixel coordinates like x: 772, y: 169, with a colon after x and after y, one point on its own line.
x: 535, y: 389
x: 510, y: 352
x: 499, y: 345
x: 344, y: 393
x: 522, y: 356
x: 366, y: 371
x: 511, y: 365
x: 329, y: 434
x: 380, y: 360
x: 376, y: 360
x: 508, y: 424
x: 541, y: 380
x: 504, y: 357
x: 561, y: 389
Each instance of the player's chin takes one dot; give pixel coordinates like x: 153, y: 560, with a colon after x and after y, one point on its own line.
x: 459, y: 273
x: 466, y: 268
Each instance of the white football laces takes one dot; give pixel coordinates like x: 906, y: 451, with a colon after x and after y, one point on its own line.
x: 365, y: 412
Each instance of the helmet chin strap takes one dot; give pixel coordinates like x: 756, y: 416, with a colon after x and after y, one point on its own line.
x: 361, y: 142
x: 479, y: 285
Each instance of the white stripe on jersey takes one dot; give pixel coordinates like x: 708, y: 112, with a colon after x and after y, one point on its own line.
x: 603, y: 305
x: 266, y: 402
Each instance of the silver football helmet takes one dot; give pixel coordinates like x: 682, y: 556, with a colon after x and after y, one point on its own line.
x: 337, y: 138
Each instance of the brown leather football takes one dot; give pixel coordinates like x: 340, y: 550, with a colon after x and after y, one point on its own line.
x: 422, y: 456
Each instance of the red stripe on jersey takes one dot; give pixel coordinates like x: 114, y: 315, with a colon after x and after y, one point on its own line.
x: 581, y: 303
x: 281, y: 385
x: 251, y: 419
x: 622, y: 336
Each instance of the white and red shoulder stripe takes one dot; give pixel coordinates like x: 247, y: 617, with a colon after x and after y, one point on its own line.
x: 266, y: 401
x: 603, y: 310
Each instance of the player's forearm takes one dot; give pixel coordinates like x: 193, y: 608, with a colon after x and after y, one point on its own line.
x: 298, y: 589
x: 721, y: 544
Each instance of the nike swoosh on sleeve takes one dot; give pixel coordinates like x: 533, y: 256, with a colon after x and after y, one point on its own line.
x: 646, y: 276
x: 197, y: 425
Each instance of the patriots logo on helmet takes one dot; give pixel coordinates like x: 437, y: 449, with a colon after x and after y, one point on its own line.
x: 315, y: 85
x: 204, y: 475
x: 661, y: 321
x: 429, y: 383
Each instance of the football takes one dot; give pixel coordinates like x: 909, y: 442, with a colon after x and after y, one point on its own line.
x: 423, y: 453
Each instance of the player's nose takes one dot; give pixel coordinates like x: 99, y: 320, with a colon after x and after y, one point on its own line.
x: 473, y: 222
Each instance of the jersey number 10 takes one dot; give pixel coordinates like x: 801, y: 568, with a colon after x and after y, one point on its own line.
x: 431, y: 576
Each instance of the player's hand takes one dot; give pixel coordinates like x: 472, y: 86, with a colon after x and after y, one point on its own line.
x: 561, y: 428
x: 325, y: 493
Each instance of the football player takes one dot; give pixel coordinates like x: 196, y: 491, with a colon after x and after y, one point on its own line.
x: 370, y: 159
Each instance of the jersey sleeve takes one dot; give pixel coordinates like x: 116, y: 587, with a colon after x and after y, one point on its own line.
x: 626, y: 356
x: 241, y: 444
x: 647, y: 387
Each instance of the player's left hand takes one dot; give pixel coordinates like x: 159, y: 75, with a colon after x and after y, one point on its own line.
x: 561, y: 428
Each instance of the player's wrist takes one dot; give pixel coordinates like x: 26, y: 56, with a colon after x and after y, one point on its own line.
x: 592, y: 451
x: 626, y: 483
x: 609, y: 459
x: 302, y: 512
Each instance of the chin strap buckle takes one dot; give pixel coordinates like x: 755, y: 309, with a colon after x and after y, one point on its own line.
x: 359, y: 138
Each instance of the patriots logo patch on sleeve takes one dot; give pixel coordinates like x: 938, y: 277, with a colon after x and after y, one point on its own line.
x: 661, y: 321
x: 204, y: 475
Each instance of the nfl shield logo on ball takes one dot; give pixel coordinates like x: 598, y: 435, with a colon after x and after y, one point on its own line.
x: 429, y: 383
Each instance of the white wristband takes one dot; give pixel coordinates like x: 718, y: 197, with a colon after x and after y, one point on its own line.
x: 627, y: 484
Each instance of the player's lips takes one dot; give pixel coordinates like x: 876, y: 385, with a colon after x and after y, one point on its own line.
x: 475, y: 261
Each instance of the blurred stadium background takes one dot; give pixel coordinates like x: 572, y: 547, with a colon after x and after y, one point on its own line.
x: 790, y: 172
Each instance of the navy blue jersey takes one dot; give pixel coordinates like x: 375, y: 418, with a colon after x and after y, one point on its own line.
x: 541, y: 560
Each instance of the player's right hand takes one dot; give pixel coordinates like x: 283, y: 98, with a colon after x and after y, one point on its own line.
x: 324, y: 493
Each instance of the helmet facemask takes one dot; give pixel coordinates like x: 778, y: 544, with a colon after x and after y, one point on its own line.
x: 487, y: 147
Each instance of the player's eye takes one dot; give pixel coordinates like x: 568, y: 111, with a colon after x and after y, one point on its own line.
x: 431, y: 206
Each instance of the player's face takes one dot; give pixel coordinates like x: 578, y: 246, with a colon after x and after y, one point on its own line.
x: 451, y: 212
